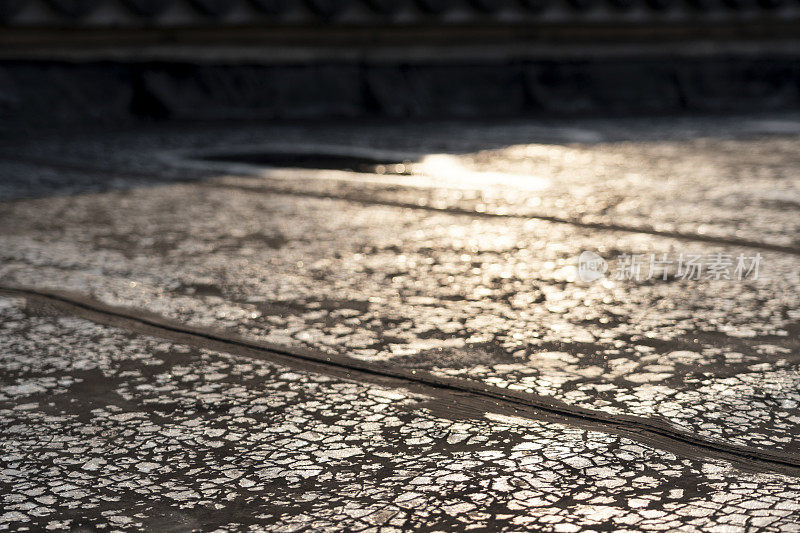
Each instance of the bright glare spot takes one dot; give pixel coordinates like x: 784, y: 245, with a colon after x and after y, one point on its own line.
x: 448, y: 171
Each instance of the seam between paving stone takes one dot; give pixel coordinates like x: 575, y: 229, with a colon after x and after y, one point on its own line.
x: 547, y: 218
x: 460, y: 396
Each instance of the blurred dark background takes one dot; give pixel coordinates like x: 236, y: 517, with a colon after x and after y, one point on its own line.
x: 66, y: 62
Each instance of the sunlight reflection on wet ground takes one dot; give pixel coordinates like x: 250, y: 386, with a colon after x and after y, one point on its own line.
x: 408, y: 271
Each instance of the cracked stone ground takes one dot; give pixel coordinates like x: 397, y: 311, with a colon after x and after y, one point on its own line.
x: 462, y: 270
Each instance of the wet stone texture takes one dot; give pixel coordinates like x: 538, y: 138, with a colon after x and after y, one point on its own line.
x: 401, y: 271
x: 106, y: 429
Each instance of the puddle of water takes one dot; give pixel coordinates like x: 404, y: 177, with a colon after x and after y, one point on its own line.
x: 319, y: 161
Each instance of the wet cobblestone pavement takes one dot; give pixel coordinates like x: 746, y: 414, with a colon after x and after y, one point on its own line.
x: 460, y: 272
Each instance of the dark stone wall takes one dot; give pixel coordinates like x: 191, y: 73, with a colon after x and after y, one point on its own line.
x: 42, y: 93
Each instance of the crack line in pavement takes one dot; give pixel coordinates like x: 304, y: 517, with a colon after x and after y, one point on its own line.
x: 724, y: 241
x: 460, y: 391
x: 153, y: 179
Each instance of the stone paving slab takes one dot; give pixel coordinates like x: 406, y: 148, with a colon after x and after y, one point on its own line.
x: 712, y: 177
x: 480, y: 299
x: 417, y: 273
x: 111, y: 430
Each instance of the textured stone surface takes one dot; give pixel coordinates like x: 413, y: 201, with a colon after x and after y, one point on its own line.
x: 105, y: 429
x: 416, y: 272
